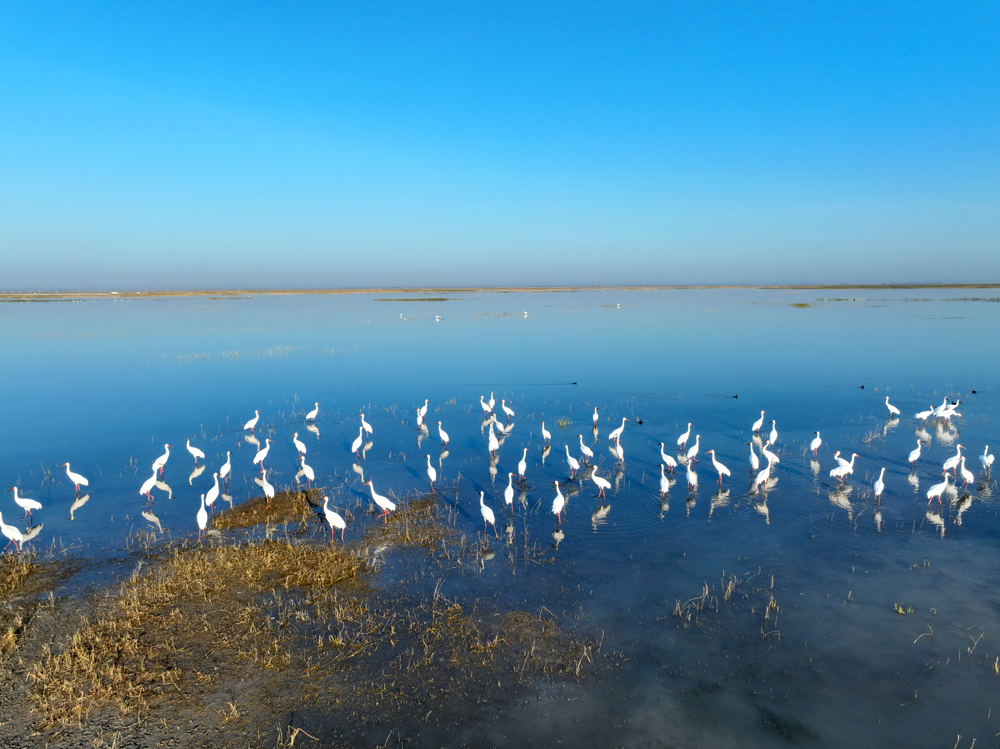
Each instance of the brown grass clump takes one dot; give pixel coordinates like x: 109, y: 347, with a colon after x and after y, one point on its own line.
x: 13, y: 571
x: 417, y: 522
x: 286, y: 506
x: 15, y: 574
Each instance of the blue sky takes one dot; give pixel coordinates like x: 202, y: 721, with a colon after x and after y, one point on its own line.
x: 213, y: 145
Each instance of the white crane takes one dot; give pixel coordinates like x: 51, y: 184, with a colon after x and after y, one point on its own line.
x: 986, y: 459
x: 773, y: 458
x: 486, y: 407
x: 14, y: 536
x: 773, y: 436
x: 879, y: 486
x: 307, y: 471
x: 546, y: 436
x: 333, y: 519
x: 585, y: 451
x: 668, y: 460
x: 952, y: 462
x: 719, y: 467
x: 383, y: 502
x: 915, y: 454
x: 937, y: 490
x: 494, y: 444
x: 664, y: 482
x: 760, y: 483
x: 268, y: 489
x: 487, y: 513
x: 602, y: 484
x: 227, y: 467
x: 754, y: 460
x: 492, y: 401
x: 443, y: 434
x: 253, y: 422
x: 212, y: 494
x: 311, y: 416
x: 365, y: 425
x: 596, y: 417
x: 816, y: 442
x: 965, y: 473
x: 358, y: 441
x: 423, y: 409
x: 616, y: 434
x: 26, y: 503
x: 258, y: 459
x: 692, y: 478
x: 147, y: 486
x: 508, y: 493
x: 76, y: 478
x: 162, y: 460
x: 840, y: 460
x: 202, y: 518
x: 619, y: 452
x: 506, y: 410
x: 759, y: 423
x: 432, y: 474
x: 924, y: 415
x: 840, y: 471
x: 558, y: 502
x: 299, y: 444
x: 195, y: 452
x: 574, y: 464
x: 692, y: 453
x: 522, y: 464
x: 893, y: 411
x: 683, y: 439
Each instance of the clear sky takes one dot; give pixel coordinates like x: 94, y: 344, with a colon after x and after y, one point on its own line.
x: 261, y: 144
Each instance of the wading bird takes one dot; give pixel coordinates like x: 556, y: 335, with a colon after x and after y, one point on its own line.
x: 879, y: 485
x: 574, y: 464
x: 253, y: 422
x: 262, y: 453
x: 585, y: 451
x: 814, y: 445
x: 915, y: 454
x: 893, y: 411
x: 268, y: 489
x: 383, y: 502
x: 616, y: 434
x: 718, y: 467
x: 76, y: 478
x: 506, y: 410
x: 299, y: 444
x: 668, y: 460
x: 443, y: 435
x: 27, y: 504
x: 558, y: 503
x: 202, y: 518
x: 333, y: 518
x: 14, y: 536
x: 602, y: 484
x: 162, y: 460
x: 759, y: 423
x: 311, y: 416
x: 432, y: 474
x: 546, y: 436
x: 683, y: 439
x: 487, y: 514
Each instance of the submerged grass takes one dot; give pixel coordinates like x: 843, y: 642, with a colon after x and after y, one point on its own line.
x: 285, y: 507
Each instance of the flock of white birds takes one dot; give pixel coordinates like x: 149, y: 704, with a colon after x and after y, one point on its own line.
x: 953, y: 468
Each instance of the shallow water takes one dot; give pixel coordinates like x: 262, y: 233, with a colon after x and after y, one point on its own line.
x: 809, y: 646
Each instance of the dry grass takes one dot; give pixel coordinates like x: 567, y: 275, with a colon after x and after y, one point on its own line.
x: 417, y: 522
x: 14, y: 570
x: 286, y: 506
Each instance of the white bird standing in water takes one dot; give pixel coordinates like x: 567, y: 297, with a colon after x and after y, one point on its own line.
x: 262, y: 453
x: 162, y: 460
x: 494, y: 444
x: 358, y: 441
x: 754, y: 460
x: 432, y: 474
x: 924, y: 415
x: 508, y: 493
x: 311, y: 416
x: 307, y: 471
x: 616, y: 434
x: 486, y: 406
x: 840, y: 471
x: 718, y: 466
x: 383, y: 502
x: 596, y: 417
x: 683, y: 439
x: 558, y: 502
x: 27, y: 504
x: 840, y: 460
x: 668, y: 460
x: 893, y: 411
x: 492, y: 401
x: 965, y: 473
x: 76, y: 478
x: 760, y: 483
x: 487, y: 513
x: 619, y: 452
x: 915, y: 454
x: 773, y: 436
x: 759, y: 423
x: 879, y: 485
x: 692, y: 453
x: 195, y: 452
x: 253, y: 422
x: 773, y: 458
x: 814, y: 445
x: 937, y: 490
x: 14, y: 536
x: 299, y: 444
x: 227, y: 467
x: 506, y: 410
x: 986, y: 459
x: 692, y: 478
x: 574, y: 464
x: 212, y: 494
x: 952, y: 462
x: 366, y: 426
x: 522, y: 464
x: 586, y: 451
x: 422, y: 410
x: 333, y: 518
x: 202, y: 518
x: 443, y: 434
x: 268, y: 489
x: 664, y: 482
x: 147, y: 486
x: 546, y: 436
x: 602, y: 484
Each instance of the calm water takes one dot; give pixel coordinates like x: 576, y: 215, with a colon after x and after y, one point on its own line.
x: 808, y: 648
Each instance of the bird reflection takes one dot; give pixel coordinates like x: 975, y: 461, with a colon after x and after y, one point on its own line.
x: 664, y: 506
x: 486, y: 422
x: 523, y: 498
x: 148, y: 514
x: 420, y: 436
x: 721, y: 499
x: 945, y: 432
x: 595, y: 433
x: 839, y: 498
x: 935, y: 519
x: 252, y: 440
x: 314, y: 429
x: 757, y: 441
x: 80, y: 502
x: 195, y: 474
x: 507, y: 429
x: 545, y: 451
x: 689, y: 504
x: 164, y: 486
x: 771, y: 482
x: 358, y: 470
x: 961, y: 505
x: 31, y: 532
x: 878, y: 520
x: 923, y: 434
x: 494, y: 459
x: 509, y: 530
x: 619, y: 474
x: 890, y: 424
x: 762, y: 508
x: 600, y: 516
x: 558, y: 536
x: 441, y: 457
x: 572, y: 490
x: 913, y: 481
x: 814, y: 467
x: 367, y: 446
x: 228, y: 498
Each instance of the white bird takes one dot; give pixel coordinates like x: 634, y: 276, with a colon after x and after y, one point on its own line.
x: 683, y: 439
x: 268, y: 489
x: 692, y: 453
x: 227, y: 467
x: 619, y: 452
x: 558, y: 502
x: 937, y: 490
x: 443, y: 434
x: 423, y: 409
x: 986, y: 459
x: 381, y: 501
x: 494, y: 445
x: 368, y: 427
x: 508, y: 493
x: 506, y: 410
x: 574, y: 464
x: 936, y: 411
x: 522, y: 464
x: 26, y: 503
x: 253, y: 422
x: 952, y: 462
x: 616, y: 434
x: 773, y: 436
x: 487, y: 513
x: 596, y: 417
x: 262, y: 453
x: 147, y: 486
x: 333, y: 518
x: 202, y: 517
x: 879, y: 485
x: 358, y: 441
x: 420, y: 420
x: 773, y: 458
x: 692, y: 478
x: 915, y: 454
x: 311, y: 416
x: 840, y: 471
x: 602, y: 484
x: 307, y: 471
x: 965, y: 473
x: 586, y: 451
x: 950, y: 411
x: 492, y: 401
x: 924, y: 415
x: 718, y: 466
x: 76, y: 478
x: 760, y: 483
x: 162, y: 460
x: 432, y: 474
x: 893, y: 411
x: 754, y: 460
x: 840, y: 460
x: 814, y: 445
x: 759, y: 423
x: 546, y: 436
x: 195, y: 452
x: 668, y: 460
x: 664, y: 482
x: 299, y: 445
x: 213, y: 493
x: 14, y: 536
x: 486, y: 406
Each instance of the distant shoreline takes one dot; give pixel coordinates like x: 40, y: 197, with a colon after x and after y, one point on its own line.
x: 40, y: 295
